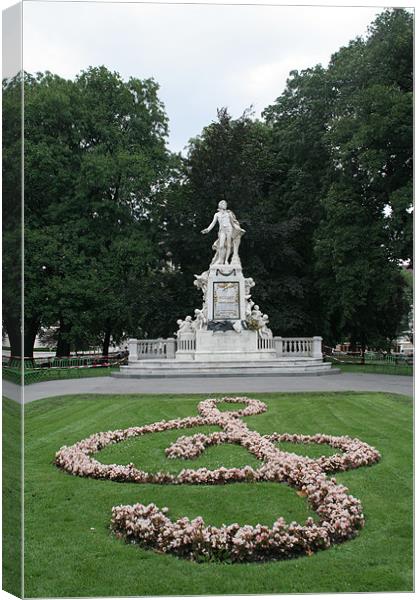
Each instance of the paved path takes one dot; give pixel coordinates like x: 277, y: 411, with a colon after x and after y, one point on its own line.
x: 110, y: 385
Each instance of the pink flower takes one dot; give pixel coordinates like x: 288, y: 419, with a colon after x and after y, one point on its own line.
x: 340, y: 514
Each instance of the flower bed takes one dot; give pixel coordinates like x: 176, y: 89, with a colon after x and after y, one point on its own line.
x: 340, y: 514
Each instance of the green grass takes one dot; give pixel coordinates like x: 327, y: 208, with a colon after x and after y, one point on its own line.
x: 37, y: 375
x: 380, y: 369
x: 69, y: 550
x: 11, y: 494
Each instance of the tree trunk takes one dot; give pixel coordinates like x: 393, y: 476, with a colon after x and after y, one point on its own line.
x: 12, y: 327
x: 30, y: 333
x: 63, y: 345
x: 105, y: 345
x: 363, y: 353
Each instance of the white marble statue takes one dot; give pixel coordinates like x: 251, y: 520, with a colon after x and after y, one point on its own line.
x: 201, y: 282
x: 230, y: 233
x: 200, y: 320
x: 265, y: 331
x: 185, y: 326
x: 249, y: 283
x: 257, y: 315
x: 248, y: 308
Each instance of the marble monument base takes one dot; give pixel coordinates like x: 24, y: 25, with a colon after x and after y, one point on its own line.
x: 225, y: 354
x: 175, y: 368
x: 226, y: 346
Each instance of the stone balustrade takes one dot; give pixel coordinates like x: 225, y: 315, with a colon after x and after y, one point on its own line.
x: 166, y: 348
x: 186, y: 343
x: 149, y: 349
x: 265, y: 343
x: 298, y: 346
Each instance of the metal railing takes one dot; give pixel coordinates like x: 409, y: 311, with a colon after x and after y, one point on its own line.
x: 65, y: 362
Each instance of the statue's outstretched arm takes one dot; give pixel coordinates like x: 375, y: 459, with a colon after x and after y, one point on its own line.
x: 212, y: 224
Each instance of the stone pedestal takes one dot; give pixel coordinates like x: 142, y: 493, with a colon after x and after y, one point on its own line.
x: 225, y: 299
x: 227, y: 346
x: 229, y: 334
x: 223, y: 334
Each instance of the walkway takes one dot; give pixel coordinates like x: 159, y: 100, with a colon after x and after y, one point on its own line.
x: 109, y: 385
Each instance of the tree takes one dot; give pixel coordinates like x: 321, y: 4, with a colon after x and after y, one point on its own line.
x: 371, y: 128
x: 96, y: 157
x: 322, y: 185
x: 362, y: 289
x: 52, y: 161
x: 12, y: 212
x: 299, y: 177
x: 124, y: 130
x: 366, y: 228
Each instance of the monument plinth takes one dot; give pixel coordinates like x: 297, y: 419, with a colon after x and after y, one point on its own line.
x: 229, y: 326
x: 229, y: 334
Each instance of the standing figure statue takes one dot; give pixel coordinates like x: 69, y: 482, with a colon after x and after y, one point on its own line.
x: 230, y: 233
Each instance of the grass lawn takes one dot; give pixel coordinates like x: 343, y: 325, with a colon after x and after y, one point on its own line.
x: 379, y: 368
x: 38, y: 375
x: 69, y: 550
x: 12, y: 495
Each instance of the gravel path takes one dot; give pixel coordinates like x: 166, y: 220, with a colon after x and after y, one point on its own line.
x: 109, y: 385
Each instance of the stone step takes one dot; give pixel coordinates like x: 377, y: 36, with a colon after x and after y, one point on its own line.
x: 193, y: 364
x: 206, y: 370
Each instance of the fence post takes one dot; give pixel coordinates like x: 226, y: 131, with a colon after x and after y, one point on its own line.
x: 278, y: 345
x: 132, y: 349
x: 317, y: 346
x: 170, y: 348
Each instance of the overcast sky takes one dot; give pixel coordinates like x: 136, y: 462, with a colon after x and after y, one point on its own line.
x: 203, y: 57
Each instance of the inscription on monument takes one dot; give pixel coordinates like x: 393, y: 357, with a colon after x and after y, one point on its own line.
x: 226, y: 300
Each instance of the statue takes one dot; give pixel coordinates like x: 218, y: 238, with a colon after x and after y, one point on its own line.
x: 248, y: 308
x: 200, y: 319
x: 257, y: 315
x: 201, y: 282
x: 230, y: 233
x: 249, y: 283
x: 185, y: 326
x: 265, y: 331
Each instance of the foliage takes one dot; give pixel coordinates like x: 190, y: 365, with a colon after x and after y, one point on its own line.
x: 322, y: 184
x: 363, y: 289
x: 12, y: 210
x: 95, y: 156
x: 233, y: 160
x: 345, y: 134
x: 371, y: 130
x: 299, y: 176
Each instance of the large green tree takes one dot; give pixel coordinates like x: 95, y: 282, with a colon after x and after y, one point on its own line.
x: 95, y: 157
x: 12, y: 211
x: 370, y: 131
x: 322, y: 184
x: 366, y: 225
x: 299, y: 176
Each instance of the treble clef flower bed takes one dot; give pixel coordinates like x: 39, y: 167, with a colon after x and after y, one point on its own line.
x: 339, y: 514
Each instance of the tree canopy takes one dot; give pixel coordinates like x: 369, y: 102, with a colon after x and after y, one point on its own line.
x: 322, y: 184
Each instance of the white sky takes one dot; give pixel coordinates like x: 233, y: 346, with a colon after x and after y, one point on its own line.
x: 203, y: 57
